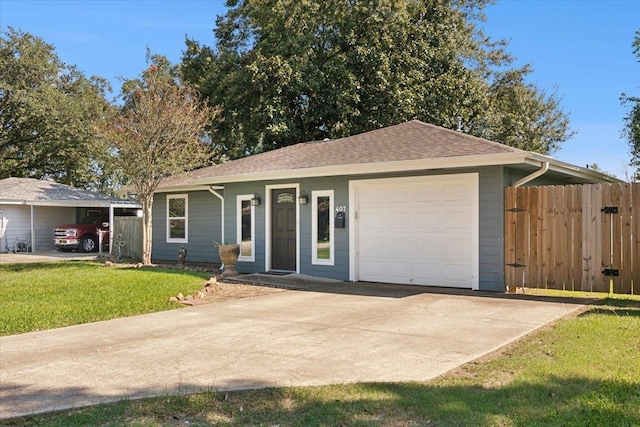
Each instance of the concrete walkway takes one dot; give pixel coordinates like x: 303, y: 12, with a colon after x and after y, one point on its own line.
x: 329, y: 332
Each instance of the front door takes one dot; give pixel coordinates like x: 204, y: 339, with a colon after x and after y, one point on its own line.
x: 283, y: 229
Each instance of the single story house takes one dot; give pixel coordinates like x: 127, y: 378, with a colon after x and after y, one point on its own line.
x: 31, y: 208
x: 412, y: 203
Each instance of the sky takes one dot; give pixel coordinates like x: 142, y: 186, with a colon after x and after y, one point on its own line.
x: 579, y: 50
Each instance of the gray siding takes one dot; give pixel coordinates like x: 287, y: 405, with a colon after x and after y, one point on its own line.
x: 491, y: 230
x: 204, y: 219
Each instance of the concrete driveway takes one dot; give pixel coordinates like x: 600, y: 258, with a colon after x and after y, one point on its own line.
x: 328, y: 333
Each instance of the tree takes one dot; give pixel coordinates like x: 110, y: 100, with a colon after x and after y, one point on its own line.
x: 46, y: 114
x: 632, y: 119
x: 288, y: 71
x: 158, y: 133
x: 520, y: 115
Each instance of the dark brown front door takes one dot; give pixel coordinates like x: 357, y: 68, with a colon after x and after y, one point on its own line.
x: 283, y: 229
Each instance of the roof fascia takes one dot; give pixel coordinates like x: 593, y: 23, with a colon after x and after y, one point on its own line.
x: 170, y: 189
x: 371, y: 168
x: 61, y: 203
x: 573, y: 170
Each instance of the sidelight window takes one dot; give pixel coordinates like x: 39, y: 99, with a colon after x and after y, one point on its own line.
x: 322, y: 227
x: 246, y: 228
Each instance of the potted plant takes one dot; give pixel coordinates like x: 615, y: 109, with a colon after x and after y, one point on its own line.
x: 228, y: 256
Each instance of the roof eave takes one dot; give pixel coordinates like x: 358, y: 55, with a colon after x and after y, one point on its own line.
x: 586, y: 174
x: 67, y: 203
x: 181, y: 188
x: 370, y: 168
x: 503, y: 159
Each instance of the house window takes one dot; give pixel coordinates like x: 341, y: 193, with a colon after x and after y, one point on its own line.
x: 246, y: 228
x: 322, y: 227
x: 177, y: 222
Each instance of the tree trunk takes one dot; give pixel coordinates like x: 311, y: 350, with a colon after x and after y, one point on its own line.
x: 146, y: 203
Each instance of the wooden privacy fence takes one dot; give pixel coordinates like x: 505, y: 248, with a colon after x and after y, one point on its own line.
x: 573, y: 237
x: 127, y: 237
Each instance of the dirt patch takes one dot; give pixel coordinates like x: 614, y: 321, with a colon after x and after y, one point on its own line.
x: 229, y: 291
x: 213, y: 290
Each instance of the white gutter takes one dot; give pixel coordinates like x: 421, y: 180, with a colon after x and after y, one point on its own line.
x: 543, y: 169
x: 575, y: 171
x: 213, y: 191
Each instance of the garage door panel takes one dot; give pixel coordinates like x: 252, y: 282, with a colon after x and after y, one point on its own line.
x: 427, y: 193
x: 456, y: 192
x: 394, y: 195
x: 419, y: 233
x: 395, y: 271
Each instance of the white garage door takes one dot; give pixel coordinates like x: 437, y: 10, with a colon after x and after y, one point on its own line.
x: 417, y: 230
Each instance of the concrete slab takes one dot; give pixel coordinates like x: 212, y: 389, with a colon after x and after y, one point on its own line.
x: 323, y: 333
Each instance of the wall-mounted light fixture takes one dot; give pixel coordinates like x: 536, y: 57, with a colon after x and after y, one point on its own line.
x: 303, y: 199
x: 255, y: 201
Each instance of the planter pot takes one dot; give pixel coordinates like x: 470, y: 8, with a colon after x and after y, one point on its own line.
x: 229, y: 256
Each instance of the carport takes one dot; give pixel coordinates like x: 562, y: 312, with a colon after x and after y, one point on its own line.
x: 30, y: 209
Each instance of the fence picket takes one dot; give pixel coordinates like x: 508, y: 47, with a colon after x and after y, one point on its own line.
x: 559, y: 237
x: 626, y: 271
x: 603, y: 198
x: 577, y: 240
x: 533, y: 277
x: 616, y: 255
x: 521, y: 248
x: 550, y: 241
x: 509, y: 237
x: 635, y: 232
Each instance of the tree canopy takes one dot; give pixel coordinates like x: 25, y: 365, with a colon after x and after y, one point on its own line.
x: 288, y: 71
x: 632, y: 120
x: 159, y: 132
x: 46, y: 112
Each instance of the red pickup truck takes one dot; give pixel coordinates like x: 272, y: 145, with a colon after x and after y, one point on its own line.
x: 82, y: 236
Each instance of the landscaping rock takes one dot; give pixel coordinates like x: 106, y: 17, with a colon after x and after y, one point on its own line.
x: 180, y: 297
x: 173, y: 299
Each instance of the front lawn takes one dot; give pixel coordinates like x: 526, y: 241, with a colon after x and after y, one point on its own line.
x: 38, y: 296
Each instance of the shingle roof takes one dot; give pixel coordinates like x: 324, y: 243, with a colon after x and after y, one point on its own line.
x: 413, y: 140
x: 35, y: 190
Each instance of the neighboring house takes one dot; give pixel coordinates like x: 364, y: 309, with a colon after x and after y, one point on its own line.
x: 412, y: 203
x: 31, y: 208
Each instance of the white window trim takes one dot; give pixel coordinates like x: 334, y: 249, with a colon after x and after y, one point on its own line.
x: 239, y: 200
x: 314, y: 228
x: 186, y: 218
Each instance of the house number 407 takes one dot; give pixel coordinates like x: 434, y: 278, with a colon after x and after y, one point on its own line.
x: 341, y: 209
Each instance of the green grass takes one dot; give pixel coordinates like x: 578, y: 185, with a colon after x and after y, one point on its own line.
x: 42, y: 296
x: 581, y: 371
